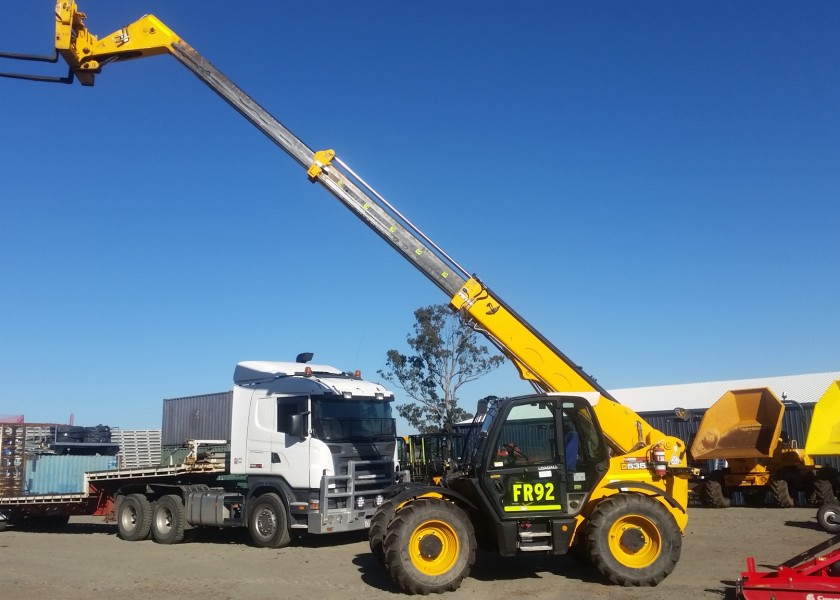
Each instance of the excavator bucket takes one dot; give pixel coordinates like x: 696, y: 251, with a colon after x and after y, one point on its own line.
x: 824, y: 433
x: 741, y: 424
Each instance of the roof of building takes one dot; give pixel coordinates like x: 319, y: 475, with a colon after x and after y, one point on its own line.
x: 798, y: 388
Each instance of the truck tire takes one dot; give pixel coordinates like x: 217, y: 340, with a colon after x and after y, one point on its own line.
x: 781, y: 493
x: 828, y: 516
x: 378, y: 527
x: 712, y: 495
x: 633, y: 540
x: 429, y: 547
x: 168, y: 520
x: 134, y: 517
x: 268, y: 523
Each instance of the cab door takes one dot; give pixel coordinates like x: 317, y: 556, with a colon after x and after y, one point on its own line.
x: 543, y: 457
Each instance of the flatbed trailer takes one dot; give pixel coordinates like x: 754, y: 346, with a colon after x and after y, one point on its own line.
x: 310, y: 451
x: 101, y: 489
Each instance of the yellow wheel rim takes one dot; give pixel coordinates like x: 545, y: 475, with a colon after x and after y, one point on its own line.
x: 434, y: 547
x: 635, y: 541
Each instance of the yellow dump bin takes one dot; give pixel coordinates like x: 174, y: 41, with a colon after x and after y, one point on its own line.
x: 741, y: 424
x: 824, y: 433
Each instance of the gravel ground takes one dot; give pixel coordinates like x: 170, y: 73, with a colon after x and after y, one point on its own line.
x: 88, y: 560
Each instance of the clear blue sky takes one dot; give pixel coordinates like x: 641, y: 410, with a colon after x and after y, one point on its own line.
x: 654, y: 185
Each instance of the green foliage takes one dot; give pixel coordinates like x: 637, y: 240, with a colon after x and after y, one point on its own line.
x: 446, y: 357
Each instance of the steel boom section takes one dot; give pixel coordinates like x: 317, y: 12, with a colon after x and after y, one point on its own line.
x: 388, y: 226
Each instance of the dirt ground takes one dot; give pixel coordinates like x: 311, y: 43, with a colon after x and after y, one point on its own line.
x: 88, y: 560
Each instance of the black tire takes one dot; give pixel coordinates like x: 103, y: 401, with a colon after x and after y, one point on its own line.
x: 378, y: 526
x: 268, y: 523
x: 828, y: 516
x: 633, y: 540
x: 134, y: 517
x: 781, y: 493
x: 823, y: 493
x: 429, y: 547
x: 712, y: 495
x: 3, y: 525
x: 168, y: 520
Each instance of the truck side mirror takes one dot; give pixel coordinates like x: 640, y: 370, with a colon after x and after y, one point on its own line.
x: 297, y: 425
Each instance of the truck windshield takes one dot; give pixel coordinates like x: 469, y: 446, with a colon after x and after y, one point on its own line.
x: 336, y: 419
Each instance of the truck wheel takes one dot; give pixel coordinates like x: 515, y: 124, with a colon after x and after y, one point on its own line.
x: 828, y: 516
x: 134, y: 517
x: 429, y: 547
x: 378, y: 525
x: 712, y: 495
x: 633, y: 540
x: 781, y: 493
x: 168, y: 520
x: 267, y: 522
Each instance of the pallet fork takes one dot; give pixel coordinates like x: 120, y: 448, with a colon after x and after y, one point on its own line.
x: 810, y: 575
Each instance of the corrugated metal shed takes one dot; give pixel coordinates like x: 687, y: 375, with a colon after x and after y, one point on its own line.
x: 799, y: 388
x: 204, y: 417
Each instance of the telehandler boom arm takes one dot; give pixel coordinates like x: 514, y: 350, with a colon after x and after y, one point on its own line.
x: 537, y: 360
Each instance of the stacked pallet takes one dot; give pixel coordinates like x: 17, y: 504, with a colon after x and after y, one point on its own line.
x: 138, y: 447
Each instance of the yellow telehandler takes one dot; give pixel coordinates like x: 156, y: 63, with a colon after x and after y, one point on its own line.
x: 566, y: 468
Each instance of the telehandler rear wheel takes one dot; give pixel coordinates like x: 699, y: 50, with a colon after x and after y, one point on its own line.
x: 633, y: 540
x: 429, y: 546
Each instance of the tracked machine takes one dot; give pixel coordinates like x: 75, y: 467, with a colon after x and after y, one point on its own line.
x: 566, y: 469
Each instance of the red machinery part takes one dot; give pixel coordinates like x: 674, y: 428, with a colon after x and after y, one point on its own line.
x: 811, y: 575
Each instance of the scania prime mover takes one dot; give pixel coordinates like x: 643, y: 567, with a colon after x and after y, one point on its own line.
x: 310, y: 450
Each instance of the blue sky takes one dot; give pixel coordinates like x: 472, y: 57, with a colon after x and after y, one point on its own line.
x: 653, y: 185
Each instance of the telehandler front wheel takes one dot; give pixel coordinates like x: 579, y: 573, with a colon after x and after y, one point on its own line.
x: 429, y: 546
x: 633, y: 540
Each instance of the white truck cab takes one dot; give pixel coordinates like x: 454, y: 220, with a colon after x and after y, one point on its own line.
x: 321, y: 439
